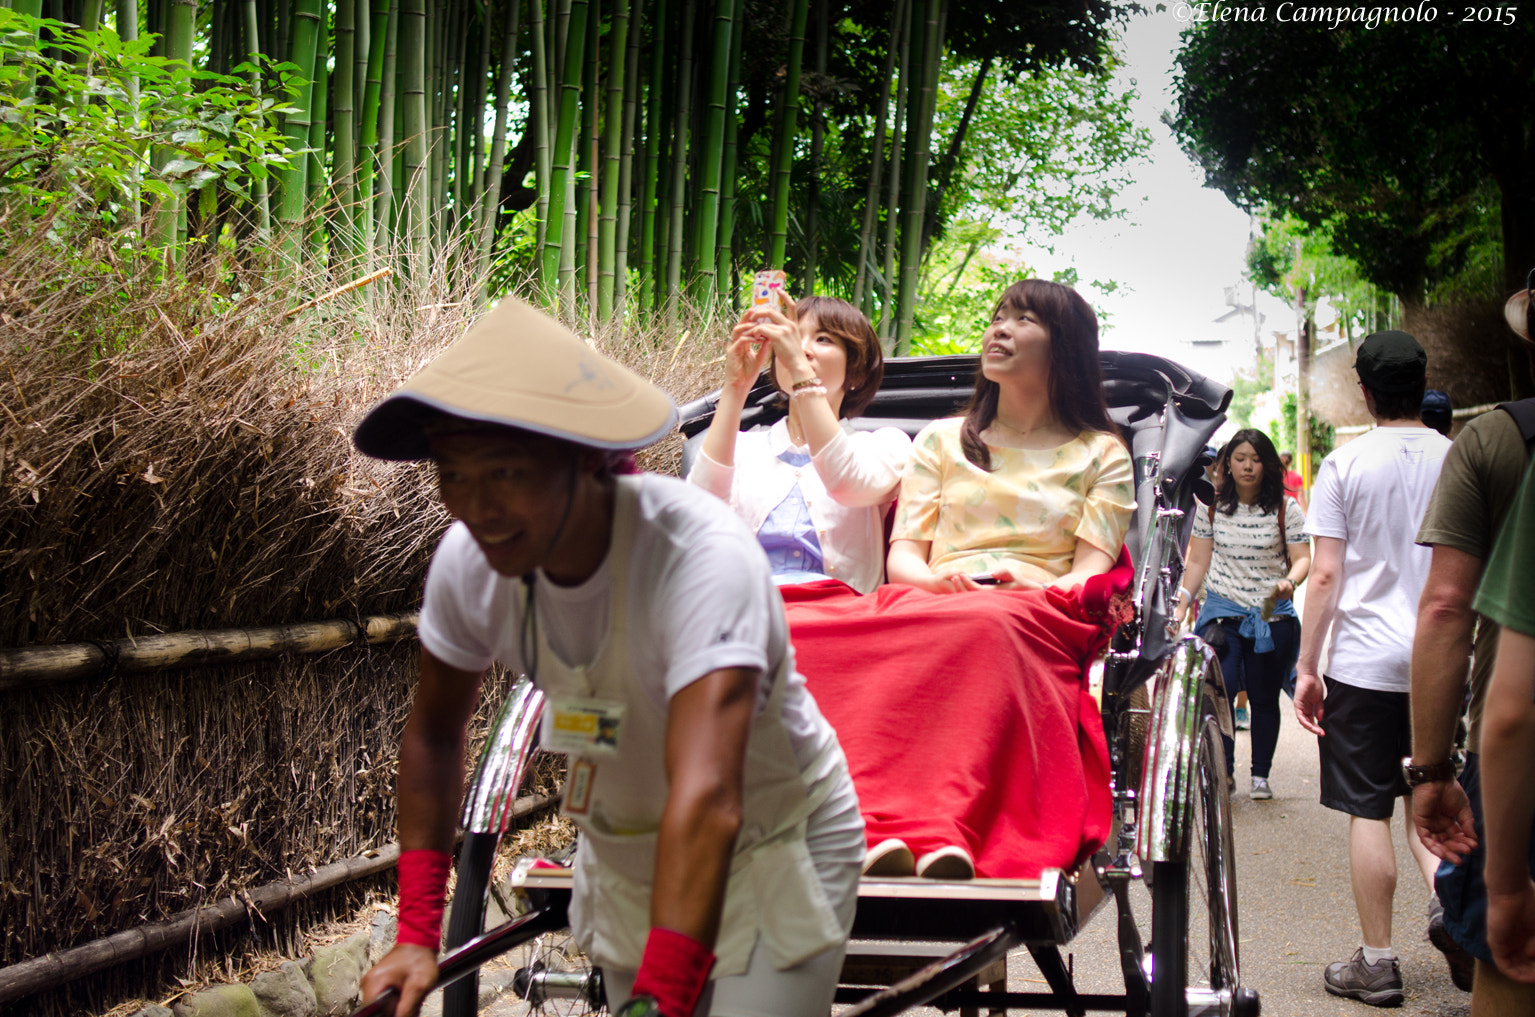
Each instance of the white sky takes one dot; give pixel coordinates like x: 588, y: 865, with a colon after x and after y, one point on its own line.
x: 1179, y: 246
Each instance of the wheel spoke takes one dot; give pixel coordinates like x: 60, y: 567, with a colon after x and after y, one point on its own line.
x: 1194, y: 907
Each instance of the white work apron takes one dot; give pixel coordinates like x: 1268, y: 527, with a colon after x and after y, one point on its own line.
x: 773, y: 890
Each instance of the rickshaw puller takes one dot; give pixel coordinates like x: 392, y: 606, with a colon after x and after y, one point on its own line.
x: 718, y: 865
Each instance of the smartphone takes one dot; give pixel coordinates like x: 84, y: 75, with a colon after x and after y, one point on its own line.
x: 984, y: 578
x: 769, y: 290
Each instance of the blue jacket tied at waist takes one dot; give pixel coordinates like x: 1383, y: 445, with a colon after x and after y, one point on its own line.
x: 1216, y: 607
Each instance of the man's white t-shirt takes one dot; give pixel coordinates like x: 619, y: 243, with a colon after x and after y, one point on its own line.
x: 1372, y: 494
x: 700, y: 598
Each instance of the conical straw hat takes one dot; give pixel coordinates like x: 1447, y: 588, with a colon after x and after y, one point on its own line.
x: 1517, y: 313
x: 518, y: 367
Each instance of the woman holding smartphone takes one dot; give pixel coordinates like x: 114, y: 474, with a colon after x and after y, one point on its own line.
x: 814, y: 490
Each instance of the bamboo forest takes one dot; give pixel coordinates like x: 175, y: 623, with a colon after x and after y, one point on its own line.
x: 605, y: 157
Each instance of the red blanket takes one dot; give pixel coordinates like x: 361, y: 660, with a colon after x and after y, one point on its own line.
x: 966, y: 718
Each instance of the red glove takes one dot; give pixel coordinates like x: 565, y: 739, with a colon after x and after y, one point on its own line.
x: 673, y: 971
x: 423, y: 883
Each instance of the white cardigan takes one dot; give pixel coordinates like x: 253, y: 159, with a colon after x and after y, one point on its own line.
x: 848, y: 487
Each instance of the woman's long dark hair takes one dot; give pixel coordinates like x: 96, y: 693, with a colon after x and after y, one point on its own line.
x: 1076, y: 377
x: 1271, y: 492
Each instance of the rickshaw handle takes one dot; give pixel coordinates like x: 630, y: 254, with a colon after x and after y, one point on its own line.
x: 455, y: 964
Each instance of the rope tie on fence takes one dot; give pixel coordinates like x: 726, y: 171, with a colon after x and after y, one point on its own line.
x: 110, y: 654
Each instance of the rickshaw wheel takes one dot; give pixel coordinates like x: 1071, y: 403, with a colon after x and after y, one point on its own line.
x: 1194, y: 908
x: 466, y: 916
x: 554, y: 954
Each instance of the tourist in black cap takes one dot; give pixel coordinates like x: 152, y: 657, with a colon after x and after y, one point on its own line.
x: 1366, y: 575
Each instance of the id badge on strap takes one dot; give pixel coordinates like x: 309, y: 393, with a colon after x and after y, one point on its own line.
x: 582, y: 727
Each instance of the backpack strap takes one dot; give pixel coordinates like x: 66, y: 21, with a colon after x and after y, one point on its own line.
x: 1284, y: 541
x: 1523, y: 413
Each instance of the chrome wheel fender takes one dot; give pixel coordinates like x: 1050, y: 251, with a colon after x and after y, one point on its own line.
x: 1186, y: 676
x: 504, y: 760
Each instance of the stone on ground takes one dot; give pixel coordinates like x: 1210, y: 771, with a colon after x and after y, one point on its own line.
x: 336, y: 971
x: 219, y: 1001
x: 285, y: 992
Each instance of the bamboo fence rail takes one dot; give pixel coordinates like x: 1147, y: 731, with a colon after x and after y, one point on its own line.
x: 30, y: 667
x: 54, y: 969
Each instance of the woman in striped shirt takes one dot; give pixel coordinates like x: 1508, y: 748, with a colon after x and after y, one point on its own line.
x: 1249, y: 551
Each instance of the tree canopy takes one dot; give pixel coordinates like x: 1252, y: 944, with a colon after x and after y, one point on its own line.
x: 1387, y: 136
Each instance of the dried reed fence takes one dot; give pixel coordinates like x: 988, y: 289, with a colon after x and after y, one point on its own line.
x: 169, y: 460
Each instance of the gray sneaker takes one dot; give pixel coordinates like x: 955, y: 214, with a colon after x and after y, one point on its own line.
x: 1378, y: 984
x: 1462, y: 964
x: 1261, y: 790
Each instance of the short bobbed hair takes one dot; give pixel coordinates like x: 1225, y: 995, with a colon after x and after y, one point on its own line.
x: 865, y: 359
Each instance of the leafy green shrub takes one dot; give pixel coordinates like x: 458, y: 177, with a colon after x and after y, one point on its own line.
x: 1323, y: 435
x: 85, y: 124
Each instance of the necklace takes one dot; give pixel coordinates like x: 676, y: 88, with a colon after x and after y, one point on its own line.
x: 797, y: 440
x: 997, y: 421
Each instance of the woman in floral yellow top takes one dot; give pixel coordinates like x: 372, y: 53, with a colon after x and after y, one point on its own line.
x: 974, y: 743
x: 1031, y: 486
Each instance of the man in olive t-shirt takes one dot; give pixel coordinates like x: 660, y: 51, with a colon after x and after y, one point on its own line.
x: 1480, y: 477
x: 1507, y: 596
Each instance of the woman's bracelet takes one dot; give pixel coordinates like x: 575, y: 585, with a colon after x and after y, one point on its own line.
x: 1185, y: 591
x: 808, y: 383
x: 819, y: 390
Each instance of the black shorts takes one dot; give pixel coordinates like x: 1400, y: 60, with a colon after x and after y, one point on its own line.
x: 1367, y: 734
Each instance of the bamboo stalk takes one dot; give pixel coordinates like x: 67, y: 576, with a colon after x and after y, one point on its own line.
x: 682, y: 114
x: 253, y: 55
x: 29, y: 667
x: 306, y: 30
x: 588, y: 183
x: 650, y: 278
x: 344, y: 150
x: 927, y: 48
x: 367, y: 133
x: 712, y: 150
x: 472, y: 131
x: 490, y: 196
x: 812, y: 215
x: 543, y: 135
x: 557, y: 238
x: 39, y: 974
x: 876, y: 166
x: 416, y: 171
x: 384, y: 153
x: 354, y: 284
x: 889, y: 312
x: 783, y: 140
x: 725, y: 242
x: 626, y: 162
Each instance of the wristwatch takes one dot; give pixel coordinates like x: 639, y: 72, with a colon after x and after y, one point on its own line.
x: 1415, y: 775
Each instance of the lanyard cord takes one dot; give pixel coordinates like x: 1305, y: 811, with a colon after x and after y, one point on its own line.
x: 528, y: 639
x: 528, y: 643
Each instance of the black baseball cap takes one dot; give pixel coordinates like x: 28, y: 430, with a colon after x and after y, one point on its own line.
x: 1391, y: 361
